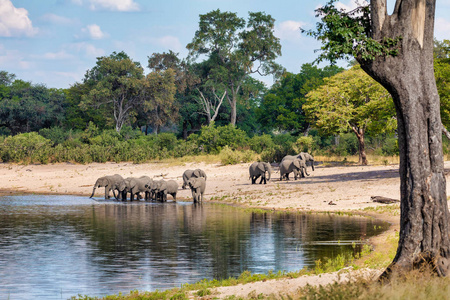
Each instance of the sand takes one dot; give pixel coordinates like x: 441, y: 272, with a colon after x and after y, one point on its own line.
x: 342, y: 188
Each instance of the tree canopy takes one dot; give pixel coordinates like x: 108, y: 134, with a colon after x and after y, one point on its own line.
x: 238, y: 49
x: 351, y: 100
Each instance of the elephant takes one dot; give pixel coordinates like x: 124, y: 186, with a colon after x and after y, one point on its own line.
x: 287, y: 166
x: 259, y: 169
x: 134, y: 186
x: 167, y: 187
x: 109, y: 182
x: 198, y: 187
x: 303, y: 156
x: 192, y: 173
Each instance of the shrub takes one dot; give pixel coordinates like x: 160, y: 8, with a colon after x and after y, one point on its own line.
x: 212, y: 139
x: 56, y: 134
x: 166, y: 141
x: 26, y: 148
x: 304, y: 144
x: 261, y: 143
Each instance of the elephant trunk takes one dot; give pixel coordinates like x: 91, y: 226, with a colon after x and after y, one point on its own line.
x: 312, y: 164
x: 269, y: 172
x: 93, y: 191
x: 306, y: 172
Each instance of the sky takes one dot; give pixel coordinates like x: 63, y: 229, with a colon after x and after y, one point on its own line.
x: 54, y: 42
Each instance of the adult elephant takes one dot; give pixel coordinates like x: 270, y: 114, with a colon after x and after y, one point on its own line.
x: 188, y: 174
x: 164, y: 188
x: 287, y: 166
x: 259, y: 169
x: 134, y: 186
x: 303, y: 156
x: 198, y: 187
x: 109, y: 182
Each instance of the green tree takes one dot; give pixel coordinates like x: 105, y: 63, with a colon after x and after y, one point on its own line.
x: 351, y: 100
x: 117, y: 83
x: 239, y: 49
x: 442, y: 74
x: 397, y: 51
x: 26, y: 107
x: 159, y: 105
x: 282, y: 107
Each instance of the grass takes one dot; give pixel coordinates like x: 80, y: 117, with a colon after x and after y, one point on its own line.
x: 353, y: 160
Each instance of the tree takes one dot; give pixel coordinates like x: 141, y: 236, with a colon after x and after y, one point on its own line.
x: 116, y: 82
x: 397, y: 51
x: 238, y: 48
x: 159, y: 106
x: 442, y: 75
x: 282, y: 107
x: 351, y: 100
x: 26, y: 107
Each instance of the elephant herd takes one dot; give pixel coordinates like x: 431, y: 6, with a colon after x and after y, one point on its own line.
x: 295, y: 164
x: 151, y: 189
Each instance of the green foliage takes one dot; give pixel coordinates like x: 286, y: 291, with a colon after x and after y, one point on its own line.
x: 345, y: 35
x: 305, y: 144
x: 232, y: 157
x: 259, y: 143
x: 26, y: 148
x: 212, y: 139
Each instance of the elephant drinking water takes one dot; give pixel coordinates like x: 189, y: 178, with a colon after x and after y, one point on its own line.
x: 109, y: 182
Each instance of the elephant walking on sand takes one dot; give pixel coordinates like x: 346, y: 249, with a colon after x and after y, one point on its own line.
x: 109, y: 182
x: 305, y: 156
x: 288, y: 166
x: 188, y: 174
x: 198, y: 187
x: 258, y: 169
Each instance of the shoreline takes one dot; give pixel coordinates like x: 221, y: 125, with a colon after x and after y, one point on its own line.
x: 349, y: 188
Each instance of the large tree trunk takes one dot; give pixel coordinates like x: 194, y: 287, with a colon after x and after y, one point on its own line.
x: 409, y: 77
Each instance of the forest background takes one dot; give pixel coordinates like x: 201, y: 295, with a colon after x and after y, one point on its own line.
x: 206, y: 103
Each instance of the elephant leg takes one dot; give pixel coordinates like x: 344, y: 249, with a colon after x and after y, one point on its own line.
x: 106, y: 192
x: 262, y: 178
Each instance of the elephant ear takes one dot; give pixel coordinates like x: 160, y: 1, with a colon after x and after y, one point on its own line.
x: 296, y: 163
x: 261, y: 167
x: 196, y: 173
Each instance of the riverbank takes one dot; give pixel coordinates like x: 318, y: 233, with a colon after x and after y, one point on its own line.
x: 328, y: 189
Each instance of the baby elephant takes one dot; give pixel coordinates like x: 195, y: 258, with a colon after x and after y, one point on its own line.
x: 167, y: 187
x: 198, y: 187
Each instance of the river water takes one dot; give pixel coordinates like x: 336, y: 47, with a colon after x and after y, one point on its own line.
x: 55, y: 247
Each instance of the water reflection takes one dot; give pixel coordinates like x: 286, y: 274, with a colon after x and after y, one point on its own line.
x: 54, y: 247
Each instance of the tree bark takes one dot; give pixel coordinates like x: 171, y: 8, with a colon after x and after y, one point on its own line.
x: 359, y: 132
x: 409, y: 77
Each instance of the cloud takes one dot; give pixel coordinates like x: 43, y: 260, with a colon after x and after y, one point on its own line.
x: 114, y: 5
x: 14, y: 21
x: 88, y: 49
x: 289, y: 30
x: 61, y: 55
x: 52, y: 18
x: 94, y: 32
x: 442, y: 29
x: 169, y: 42
x: 11, y: 59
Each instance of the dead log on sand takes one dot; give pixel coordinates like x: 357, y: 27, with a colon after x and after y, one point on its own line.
x: 384, y: 200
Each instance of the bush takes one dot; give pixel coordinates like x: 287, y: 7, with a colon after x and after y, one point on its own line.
x: 304, y: 144
x: 261, y: 143
x: 56, y: 134
x: 348, y: 145
x: 26, y: 148
x: 212, y: 139
x: 229, y: 156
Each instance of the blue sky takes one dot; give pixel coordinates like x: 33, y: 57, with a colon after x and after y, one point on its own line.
x: 54, y: 42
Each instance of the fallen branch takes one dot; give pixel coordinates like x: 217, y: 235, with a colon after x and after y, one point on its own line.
x: 384, y: 200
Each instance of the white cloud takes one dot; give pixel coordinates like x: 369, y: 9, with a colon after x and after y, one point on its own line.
x: 289, y: 30
x: 114, y: 5
x: 14, y: 21
x: 88, y: 49
x: 61, y: 55
x: 94, y: 32
x: 52, y: 18
x: 169, y: 42
x: 10, y: 59
x: 442, y: 29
